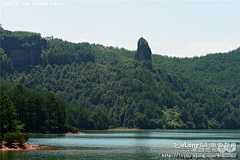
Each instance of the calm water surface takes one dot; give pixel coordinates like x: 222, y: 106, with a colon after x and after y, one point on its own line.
x: 144, y: 144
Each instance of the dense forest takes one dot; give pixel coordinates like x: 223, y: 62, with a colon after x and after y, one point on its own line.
x: 55, y: 85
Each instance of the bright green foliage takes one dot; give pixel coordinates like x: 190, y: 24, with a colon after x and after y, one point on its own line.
x: 15, y: 137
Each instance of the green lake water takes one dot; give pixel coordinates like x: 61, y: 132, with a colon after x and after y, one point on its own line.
x: 120, y: 145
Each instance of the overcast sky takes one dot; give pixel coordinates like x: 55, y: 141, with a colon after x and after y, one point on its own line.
x: 174, y: 28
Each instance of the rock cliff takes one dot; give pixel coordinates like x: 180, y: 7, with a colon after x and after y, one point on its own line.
x: 23, y: 48
x: 143, y: 52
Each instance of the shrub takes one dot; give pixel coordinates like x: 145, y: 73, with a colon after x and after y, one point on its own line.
x: 15, y: 137
x: 69, y: 128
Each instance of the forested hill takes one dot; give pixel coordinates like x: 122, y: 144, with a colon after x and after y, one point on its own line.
x: 106, y: 87
x: 219, y: 69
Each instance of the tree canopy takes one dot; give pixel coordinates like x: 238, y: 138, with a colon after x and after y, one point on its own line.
x: 105, y: 87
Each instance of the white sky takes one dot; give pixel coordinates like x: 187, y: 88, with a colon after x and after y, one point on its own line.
x: 174, y: 28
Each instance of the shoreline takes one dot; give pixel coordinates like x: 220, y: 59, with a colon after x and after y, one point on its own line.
x: 55, y: 133
x: 75, y: 133
x: 24, y: 147
x: 124, y: 129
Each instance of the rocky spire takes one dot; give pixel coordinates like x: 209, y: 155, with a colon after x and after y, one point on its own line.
x: 143, y: 51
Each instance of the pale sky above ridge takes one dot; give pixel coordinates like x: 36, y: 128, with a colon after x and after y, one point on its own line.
x: 173, y: 28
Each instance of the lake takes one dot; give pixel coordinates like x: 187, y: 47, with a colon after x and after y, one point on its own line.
x: 142, y: 144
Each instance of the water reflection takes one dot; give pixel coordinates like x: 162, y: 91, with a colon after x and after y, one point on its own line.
x: 143, y: 144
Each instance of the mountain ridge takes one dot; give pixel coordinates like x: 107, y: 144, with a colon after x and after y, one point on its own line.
x: 109, y: 84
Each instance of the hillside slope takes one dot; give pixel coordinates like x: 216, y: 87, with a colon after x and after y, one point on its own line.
x: 106, y: 87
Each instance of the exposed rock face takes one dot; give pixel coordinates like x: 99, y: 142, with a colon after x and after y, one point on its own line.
x: 23, y: 49
x: 143, y: 52
x: 22, y: 58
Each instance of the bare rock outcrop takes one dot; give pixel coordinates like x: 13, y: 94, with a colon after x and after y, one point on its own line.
x: 143, y: 52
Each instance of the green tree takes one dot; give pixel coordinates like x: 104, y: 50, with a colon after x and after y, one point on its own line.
x: 7, y: 114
